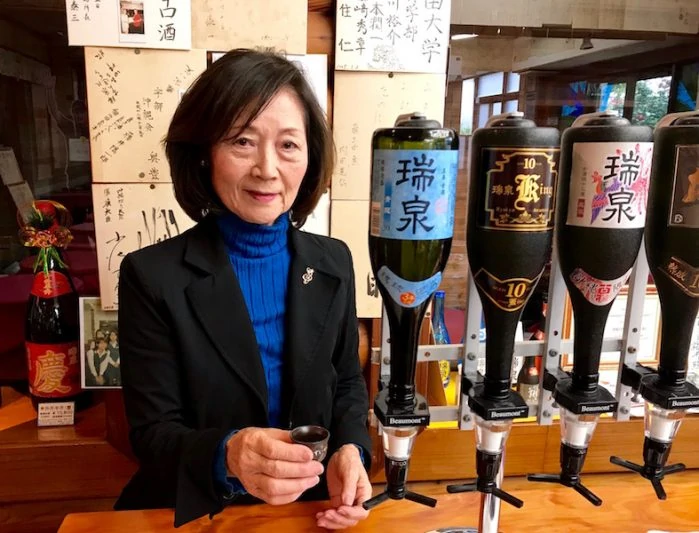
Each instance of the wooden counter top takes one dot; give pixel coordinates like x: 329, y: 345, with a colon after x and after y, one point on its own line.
x: 630, y: 506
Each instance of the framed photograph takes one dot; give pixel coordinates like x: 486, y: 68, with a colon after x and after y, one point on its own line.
x: 99, y: 346
x: 649, y: 346
x: 131, y: 21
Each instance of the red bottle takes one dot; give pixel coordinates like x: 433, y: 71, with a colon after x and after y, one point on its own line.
x: 52, y: 333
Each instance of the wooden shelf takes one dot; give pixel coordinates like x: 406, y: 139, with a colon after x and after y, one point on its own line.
x: 18, y: 426
x: 58, y: 463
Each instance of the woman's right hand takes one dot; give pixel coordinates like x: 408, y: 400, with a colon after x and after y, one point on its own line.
x: 270, y: 466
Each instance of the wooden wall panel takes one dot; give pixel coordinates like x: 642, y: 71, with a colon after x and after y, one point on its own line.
x: 321, y: 40
x: 224, y: 24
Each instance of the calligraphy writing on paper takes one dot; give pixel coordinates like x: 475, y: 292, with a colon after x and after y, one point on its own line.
x: 392, y: 35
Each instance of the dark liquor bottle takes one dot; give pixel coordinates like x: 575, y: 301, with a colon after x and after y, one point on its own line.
x: 52, y: 334
x: 413, y: 179
x: 510, y: 230
x: 510, y: 221
x: 672, y: 248
x: 528, y: 381
x: 605, y: 171
x: 672, y: 241
x: 412, y: 223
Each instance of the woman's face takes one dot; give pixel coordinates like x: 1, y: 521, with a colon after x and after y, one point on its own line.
x: 257, y: 174
x: 112, y: 337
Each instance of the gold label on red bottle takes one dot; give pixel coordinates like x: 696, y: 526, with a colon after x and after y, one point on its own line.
x: 684, y: 210
x: 685, y: 276
x: 54, y: 369
x: 520, y: 188
x: 508, y: 294
x: 50, y: 285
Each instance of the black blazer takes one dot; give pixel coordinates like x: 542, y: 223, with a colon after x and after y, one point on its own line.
x: 192, y: 372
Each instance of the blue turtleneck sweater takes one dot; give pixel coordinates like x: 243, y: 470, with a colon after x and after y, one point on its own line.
x: 260, y: 257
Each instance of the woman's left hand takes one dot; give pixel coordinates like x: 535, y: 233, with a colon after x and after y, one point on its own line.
x: 348, y: 486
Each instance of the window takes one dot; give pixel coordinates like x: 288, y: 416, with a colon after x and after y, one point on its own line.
x: 468, y: 89
x: 576, y: 96
x: 642, y: 99
x: 490, y: 84
x: 483, y: 114
x: 513, y: 82
x: 651, y: 100
x: 687, y: 94
x: 497, y: 92
x: 511, y: 106
x: 611, y: 97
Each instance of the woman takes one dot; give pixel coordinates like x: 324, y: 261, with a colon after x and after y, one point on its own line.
x: 93, y: 373
x: 98, y: 361
x: 113, y: 375
x: 244, y: 327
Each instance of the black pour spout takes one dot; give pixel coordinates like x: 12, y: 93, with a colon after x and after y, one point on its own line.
x: 572, y: 460
x: 655, y: 455
x: 396, y: 476
x: 487, y: 467
x: 660, y: 395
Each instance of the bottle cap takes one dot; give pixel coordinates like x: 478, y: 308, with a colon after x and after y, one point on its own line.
x: 416, y: 120
x: 599, y: 118
x: 671, y: 118
x: 503, y: 116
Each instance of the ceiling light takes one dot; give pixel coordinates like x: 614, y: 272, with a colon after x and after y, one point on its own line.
x: 462, y: 36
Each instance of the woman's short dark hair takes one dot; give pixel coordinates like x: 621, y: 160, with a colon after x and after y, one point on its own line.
x: 234, y: 90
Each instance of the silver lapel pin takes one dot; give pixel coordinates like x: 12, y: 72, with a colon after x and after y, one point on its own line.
x: 308, y: 276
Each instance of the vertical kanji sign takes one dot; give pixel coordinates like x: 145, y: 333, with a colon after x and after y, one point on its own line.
x: 392, y: 35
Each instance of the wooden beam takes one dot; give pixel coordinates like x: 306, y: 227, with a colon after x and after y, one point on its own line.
x: 673, y: 16
x: 615, y: 54
x: 559, y: 32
